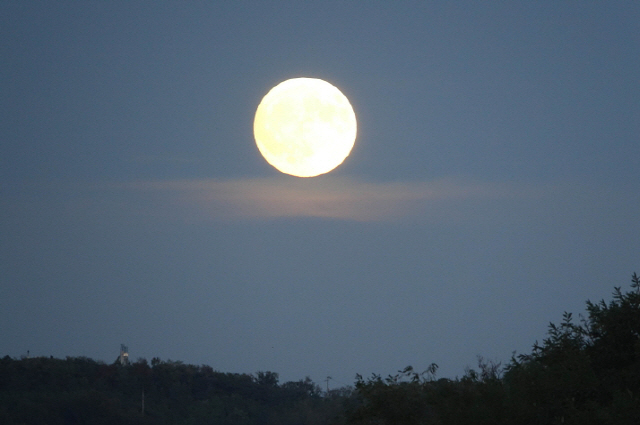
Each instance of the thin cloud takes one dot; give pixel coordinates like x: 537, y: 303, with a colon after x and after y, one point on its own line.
x: 334, y: 198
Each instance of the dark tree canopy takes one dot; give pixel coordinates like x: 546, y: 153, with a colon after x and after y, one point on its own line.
x: 78, y: 390
x: 581, y: 373
x: 584, y: 372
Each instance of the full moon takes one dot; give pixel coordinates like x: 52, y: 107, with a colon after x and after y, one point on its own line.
x: 305, y: 127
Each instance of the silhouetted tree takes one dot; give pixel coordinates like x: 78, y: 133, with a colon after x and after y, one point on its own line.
x: 80, y: 390
x: 582, y: 373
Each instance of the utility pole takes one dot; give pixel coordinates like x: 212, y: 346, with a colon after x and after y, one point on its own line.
x: 327, y: 381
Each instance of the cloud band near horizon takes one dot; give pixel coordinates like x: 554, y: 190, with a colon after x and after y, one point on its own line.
x: 327, y: 197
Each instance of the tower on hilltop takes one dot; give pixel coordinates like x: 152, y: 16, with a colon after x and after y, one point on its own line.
x: 124, y: 355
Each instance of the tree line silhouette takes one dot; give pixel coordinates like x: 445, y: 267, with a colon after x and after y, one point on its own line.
x: 584, y: 372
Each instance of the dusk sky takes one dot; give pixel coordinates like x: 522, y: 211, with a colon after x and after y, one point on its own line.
x: 493, y: 185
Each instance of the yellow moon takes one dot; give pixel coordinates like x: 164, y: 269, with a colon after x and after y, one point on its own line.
x: 305, y: 127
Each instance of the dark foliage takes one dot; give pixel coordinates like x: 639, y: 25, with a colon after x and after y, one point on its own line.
x: 587, y: 373
x: 582, y: 373
x: 82, y: 391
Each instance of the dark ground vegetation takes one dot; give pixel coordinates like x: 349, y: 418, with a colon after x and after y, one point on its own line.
x: 582, y: 373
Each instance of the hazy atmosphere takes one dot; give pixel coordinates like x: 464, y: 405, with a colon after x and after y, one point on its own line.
x: 494, y: 182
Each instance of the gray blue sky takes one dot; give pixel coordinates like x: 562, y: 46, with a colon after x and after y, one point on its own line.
x: 494, y: 182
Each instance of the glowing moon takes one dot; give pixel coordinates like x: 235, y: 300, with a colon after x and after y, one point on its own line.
x: 305, y: 127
